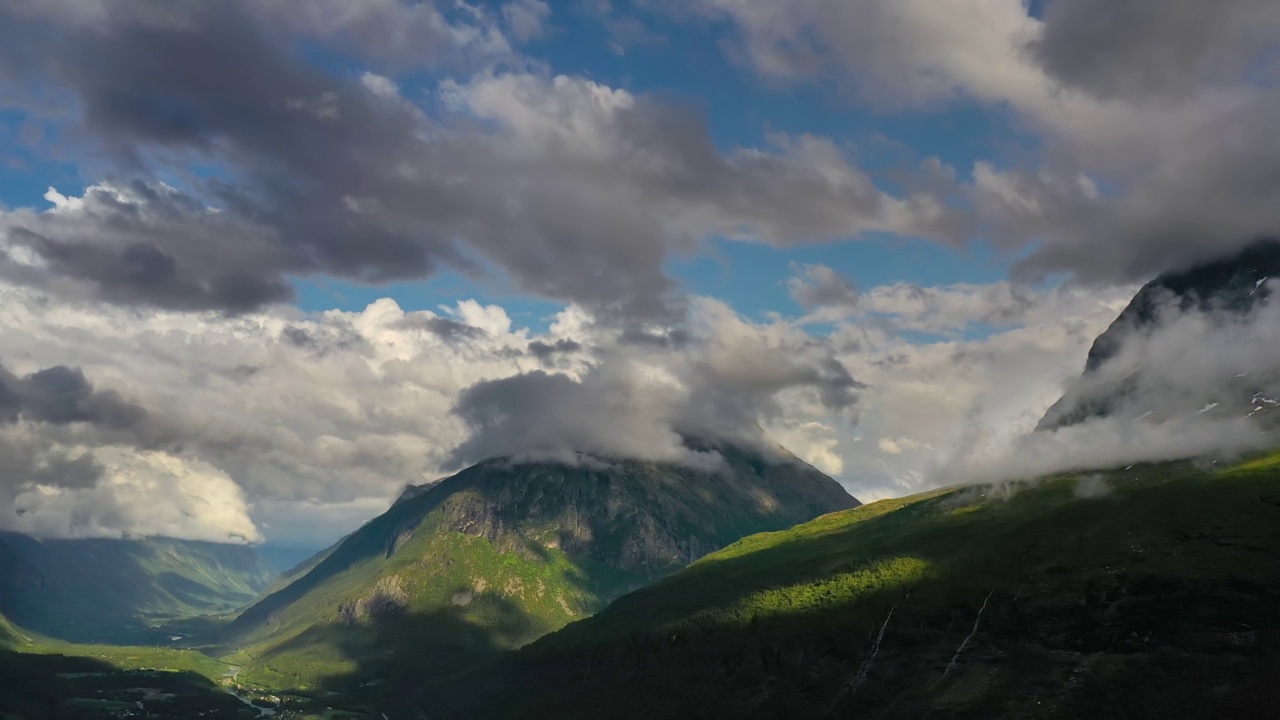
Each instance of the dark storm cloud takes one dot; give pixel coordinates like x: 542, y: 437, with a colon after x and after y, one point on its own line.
x: 58, y: 396
x: 546, y: 353
x: 209, y: 79
x: 61, y: 395
x: 665, y: 339
x: 327, y: 339
x: 443, y: 328
x: 1144, y: 48
x: 297, y: 337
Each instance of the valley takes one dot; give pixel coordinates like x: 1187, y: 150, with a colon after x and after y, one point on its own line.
x: 450, y: 577
x: 1051, y: 598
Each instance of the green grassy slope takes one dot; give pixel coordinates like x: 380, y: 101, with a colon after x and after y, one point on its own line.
x: 114, y: 590
x: 1151, y: 592
x: 463, y: 598
x: 500, y: 554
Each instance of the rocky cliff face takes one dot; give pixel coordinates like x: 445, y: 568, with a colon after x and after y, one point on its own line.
x: 1230, y: 287
x: 638, y: 517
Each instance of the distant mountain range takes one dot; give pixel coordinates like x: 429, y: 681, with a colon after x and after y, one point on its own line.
x: 1231, y: 286
x: 105, y: 590
x: 504, y: 552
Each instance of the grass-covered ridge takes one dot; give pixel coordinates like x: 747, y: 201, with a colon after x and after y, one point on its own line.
x: 1149, y: 592
x: 450, y: 595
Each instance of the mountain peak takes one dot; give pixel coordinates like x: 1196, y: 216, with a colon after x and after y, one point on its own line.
x: 511, y: 548
x: 1235, y: 285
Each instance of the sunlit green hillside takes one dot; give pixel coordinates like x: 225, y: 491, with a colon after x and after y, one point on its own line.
x: 1147, y: 592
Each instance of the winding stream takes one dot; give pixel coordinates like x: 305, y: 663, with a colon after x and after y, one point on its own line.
x: 262, y: 711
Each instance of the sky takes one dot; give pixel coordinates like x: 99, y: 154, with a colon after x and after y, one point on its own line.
x: 264, y: 262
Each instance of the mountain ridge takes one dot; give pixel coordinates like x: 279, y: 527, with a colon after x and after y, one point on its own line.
x: 506, y: 550
x: 1232, y: 285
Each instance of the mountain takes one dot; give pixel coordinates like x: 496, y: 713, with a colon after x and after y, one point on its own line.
x: 107, y: 590
x: 1144, y: 593
x: 1232, y: 285
x: 503, y: 552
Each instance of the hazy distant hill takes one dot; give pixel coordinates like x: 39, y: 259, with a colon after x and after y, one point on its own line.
x: 502, y: 553
x: 1147, y: 593
x: 103, y: 590
x: 1233, y: 285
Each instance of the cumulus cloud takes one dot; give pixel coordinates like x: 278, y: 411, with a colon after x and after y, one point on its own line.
x: 208, y: 197
x: 723, y: 382
x: 1166, y: 105
x: 569, y: 188
x: 327, y: 416
x: 1193, y: 382
x: 80, y: 462
x: 331, y: 414
x: 818, y: 285
x: 938, y: 369
x: 139, y: 494
x: 1154, y: 47
x: 526, y: 19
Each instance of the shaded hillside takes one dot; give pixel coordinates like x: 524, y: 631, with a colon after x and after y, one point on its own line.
x: 112, y: 590
x: 1151, y: 592
x: 1231, y: 286
x: 502, y: 553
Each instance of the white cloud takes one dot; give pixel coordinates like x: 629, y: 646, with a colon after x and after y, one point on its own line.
x: 140, y: 494
x: 330, y: 415
x: 380, y: 85
x: 1169, y: 105
x: 526, y: 19
x: 320, y: 420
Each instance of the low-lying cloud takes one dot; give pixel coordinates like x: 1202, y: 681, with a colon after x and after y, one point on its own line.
x: 1195, y: 383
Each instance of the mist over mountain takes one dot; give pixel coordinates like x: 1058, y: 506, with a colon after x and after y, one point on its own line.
x: 1134, y: 369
